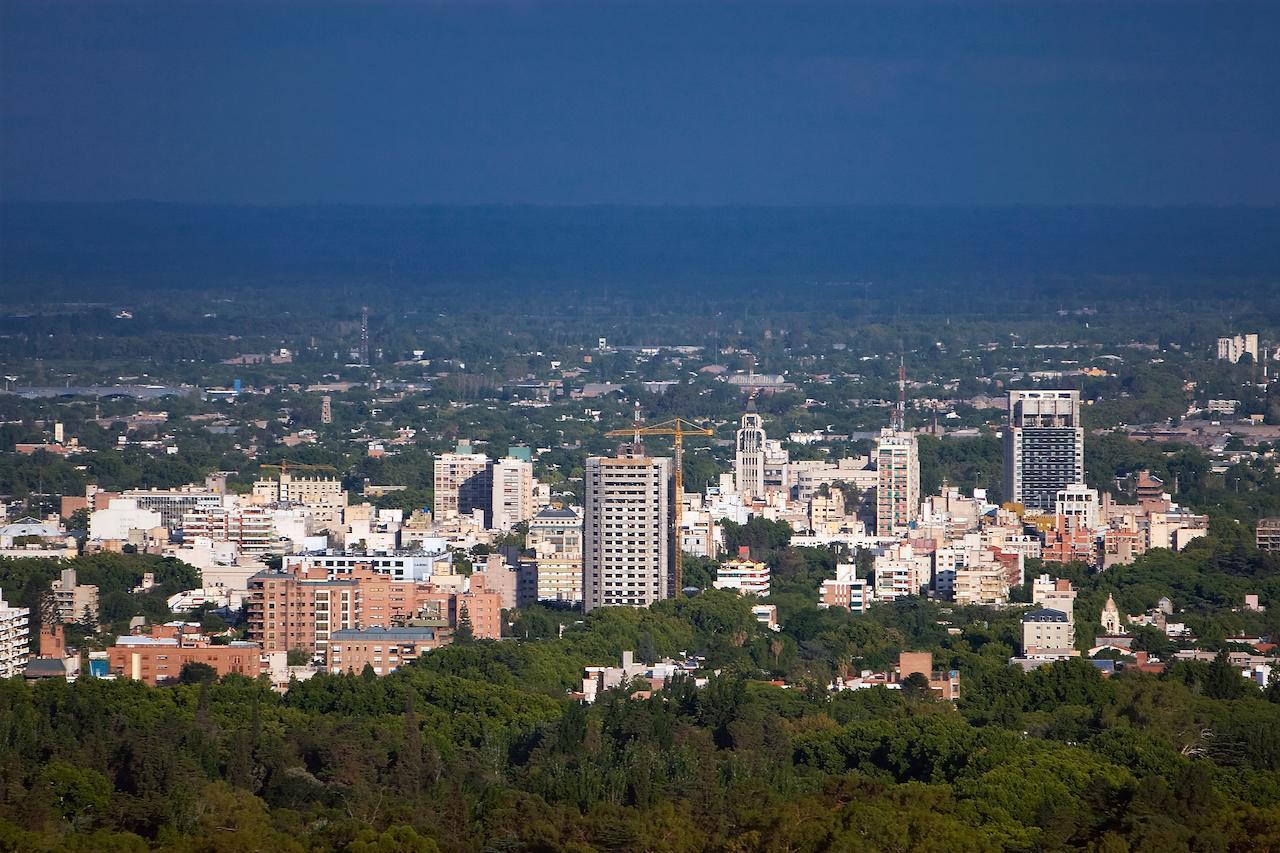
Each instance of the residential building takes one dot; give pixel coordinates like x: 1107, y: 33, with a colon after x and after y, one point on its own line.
x: 512, y: 499
x: 1268, y: 534
x: 743, y: 575
x: 382, y: 649
x: 1079, y: 502
x: 159, y: 657
x: 626, y: 543
x: 171, y: 504
x: 323, y: 496
x: 463, y: 484
x: 72, y: 601
x: 1046, y: 630
x: 897, y: 482
x: 250, y: 528
x: 1235, y: 347
x: 289, y: 610
x: 1043, y: 447
x: 1056, y: 594
x: 846, y: 590
x: 555, y: 538
x: 433, y: 559
x: 14, y: 638
x: 981, y: 584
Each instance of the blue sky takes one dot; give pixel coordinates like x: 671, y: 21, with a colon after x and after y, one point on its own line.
x: 1155, y: 102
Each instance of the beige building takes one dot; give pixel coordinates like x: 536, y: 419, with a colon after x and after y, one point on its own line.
x: 463, y: 484
x: 1056, y: 594
x: 72, y: 600
x: 1236, y: 347
x: 323, y: 496
x: 626, y: 542
x: 555, y: 537
x: 1046, y: 630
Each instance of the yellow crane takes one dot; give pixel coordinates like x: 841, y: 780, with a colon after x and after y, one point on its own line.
x: 677, y: 428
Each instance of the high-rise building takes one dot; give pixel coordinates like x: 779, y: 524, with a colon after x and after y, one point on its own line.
x: 750, y: 457
x: 1043, y: 447
x: 627, y: 557
x: 73, y: 600
x: 512, y: 500
x: 463, y: 484
x: 326, y: 409
x: 897, y: 481
x: 14, y: 638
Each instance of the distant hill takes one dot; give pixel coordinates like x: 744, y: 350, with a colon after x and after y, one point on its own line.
x: 86, y: 249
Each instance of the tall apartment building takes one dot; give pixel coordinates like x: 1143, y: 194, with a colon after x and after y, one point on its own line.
x: 14, y: 638
x: 1043, y: 447
x: 512, y: 500
x: 555, y: 537
x: 463, y: 484
x: 1235, y: 347
x: 897, y: 481
x: 626, y: 542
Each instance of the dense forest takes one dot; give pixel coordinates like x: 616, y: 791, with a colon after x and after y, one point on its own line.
x: 477, y: 746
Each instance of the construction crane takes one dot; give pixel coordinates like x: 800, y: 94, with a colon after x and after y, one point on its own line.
x: 677, y: 428
x: 285, y: 466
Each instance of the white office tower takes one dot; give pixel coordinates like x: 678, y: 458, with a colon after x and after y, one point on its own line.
x: 1043, y: 447
x: 14, y: 638
x: 512, y: 493
x: 897, y: 481
x: 626, y: 537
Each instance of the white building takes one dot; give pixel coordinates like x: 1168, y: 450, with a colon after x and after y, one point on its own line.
x: 1080, y: 502
x: 123, y: 516
x: 846, y: 590
x: 14, y: 638
x: 1056, y: 594
x: 759, y: 462
x: 400, y: 566
x: 626, y: 542
x: 250, y: 528
x: 555, y: 538
x: 743, y: 575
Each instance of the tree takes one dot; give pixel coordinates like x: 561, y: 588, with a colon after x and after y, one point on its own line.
x: 298, y: 657
x: 916, y: 686
x: 464, y: 634
x: 1222, y: 681
x: 196, y: 672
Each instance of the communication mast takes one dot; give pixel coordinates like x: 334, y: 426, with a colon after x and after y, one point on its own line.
x: 364, y: 336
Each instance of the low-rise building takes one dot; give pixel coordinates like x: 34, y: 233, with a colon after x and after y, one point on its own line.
x: 382, y: 649
x: 743, y: 575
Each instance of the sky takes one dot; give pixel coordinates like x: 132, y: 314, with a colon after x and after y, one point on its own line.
x: 710, y: 102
